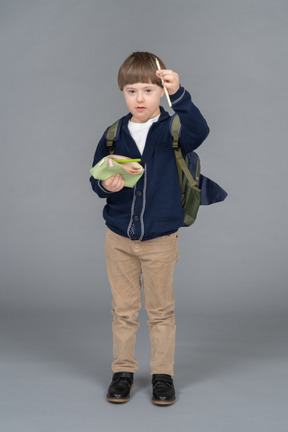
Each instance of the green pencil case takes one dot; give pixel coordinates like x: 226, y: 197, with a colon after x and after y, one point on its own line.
x: 111, y: 165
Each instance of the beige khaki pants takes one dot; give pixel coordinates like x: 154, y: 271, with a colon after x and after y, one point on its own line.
x: 155, y: 259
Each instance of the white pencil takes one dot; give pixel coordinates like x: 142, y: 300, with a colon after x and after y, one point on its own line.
x: 165, y: 89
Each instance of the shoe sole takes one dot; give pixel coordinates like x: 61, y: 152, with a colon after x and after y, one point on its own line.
x: 117, y: 400
x: 155, y: 402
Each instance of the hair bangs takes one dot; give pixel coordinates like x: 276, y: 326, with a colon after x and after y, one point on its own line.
x: 139, y: 67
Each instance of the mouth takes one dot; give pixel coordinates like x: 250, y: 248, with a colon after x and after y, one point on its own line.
x: 140, y: 108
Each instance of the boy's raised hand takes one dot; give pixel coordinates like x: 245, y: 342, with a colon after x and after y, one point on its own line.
x: 114, y: 183
x: 170, y: 80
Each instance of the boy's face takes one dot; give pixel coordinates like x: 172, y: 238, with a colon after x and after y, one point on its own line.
x: 143, y: 100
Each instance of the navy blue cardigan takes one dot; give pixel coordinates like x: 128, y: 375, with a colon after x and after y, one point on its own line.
x: 153, y: 207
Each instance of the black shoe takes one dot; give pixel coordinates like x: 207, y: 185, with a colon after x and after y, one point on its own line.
x: 119, y: 389
x: 163, y: 389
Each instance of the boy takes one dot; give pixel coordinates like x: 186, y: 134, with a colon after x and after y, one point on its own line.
x: 143, y: 222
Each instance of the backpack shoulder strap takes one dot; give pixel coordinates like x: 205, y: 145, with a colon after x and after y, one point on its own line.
x: 175, y: 128
x: 111, y: 135
x: 182, y: 166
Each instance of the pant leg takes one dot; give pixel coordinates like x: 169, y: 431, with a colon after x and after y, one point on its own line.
x: 158, y: 259
x: 124, y: 270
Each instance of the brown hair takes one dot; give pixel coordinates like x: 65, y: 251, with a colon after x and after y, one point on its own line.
x: 139, y: 67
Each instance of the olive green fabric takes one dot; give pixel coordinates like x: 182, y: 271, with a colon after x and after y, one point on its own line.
x: 191, y: 193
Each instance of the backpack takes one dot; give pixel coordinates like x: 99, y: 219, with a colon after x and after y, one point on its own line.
x: 196, y: 188
x: 189, y: 175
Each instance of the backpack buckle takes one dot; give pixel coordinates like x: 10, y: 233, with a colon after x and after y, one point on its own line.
x: 110, y: 146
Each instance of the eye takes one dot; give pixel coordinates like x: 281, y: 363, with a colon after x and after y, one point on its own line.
x: 131, y: 91
x: 148, y: 91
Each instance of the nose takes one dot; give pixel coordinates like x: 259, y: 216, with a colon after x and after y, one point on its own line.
x: 139, y: 96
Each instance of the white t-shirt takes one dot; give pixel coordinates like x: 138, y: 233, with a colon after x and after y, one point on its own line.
x: 139, y: 132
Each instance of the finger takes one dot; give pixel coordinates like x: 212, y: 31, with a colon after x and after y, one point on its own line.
x: 109, y: 181
x: 118, y: 182
x: 166, y: 73
x: 168, y: 78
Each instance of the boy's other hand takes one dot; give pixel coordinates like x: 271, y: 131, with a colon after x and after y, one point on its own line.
x: 170, y: 80
x: 114, y: 184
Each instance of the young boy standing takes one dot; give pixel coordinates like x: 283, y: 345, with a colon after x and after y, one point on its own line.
x: 143, y: 222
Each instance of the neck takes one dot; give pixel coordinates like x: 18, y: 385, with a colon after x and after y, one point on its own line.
x: 153, y: 116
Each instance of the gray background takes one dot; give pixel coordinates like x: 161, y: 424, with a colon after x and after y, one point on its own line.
x: 59, y: 63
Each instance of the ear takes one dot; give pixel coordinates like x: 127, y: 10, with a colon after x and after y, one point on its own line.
x: 162, y: 92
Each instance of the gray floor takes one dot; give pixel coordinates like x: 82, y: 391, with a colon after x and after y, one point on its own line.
x: 231, y: 374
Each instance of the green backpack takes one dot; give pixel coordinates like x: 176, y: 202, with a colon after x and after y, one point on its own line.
x: 191, y: 193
